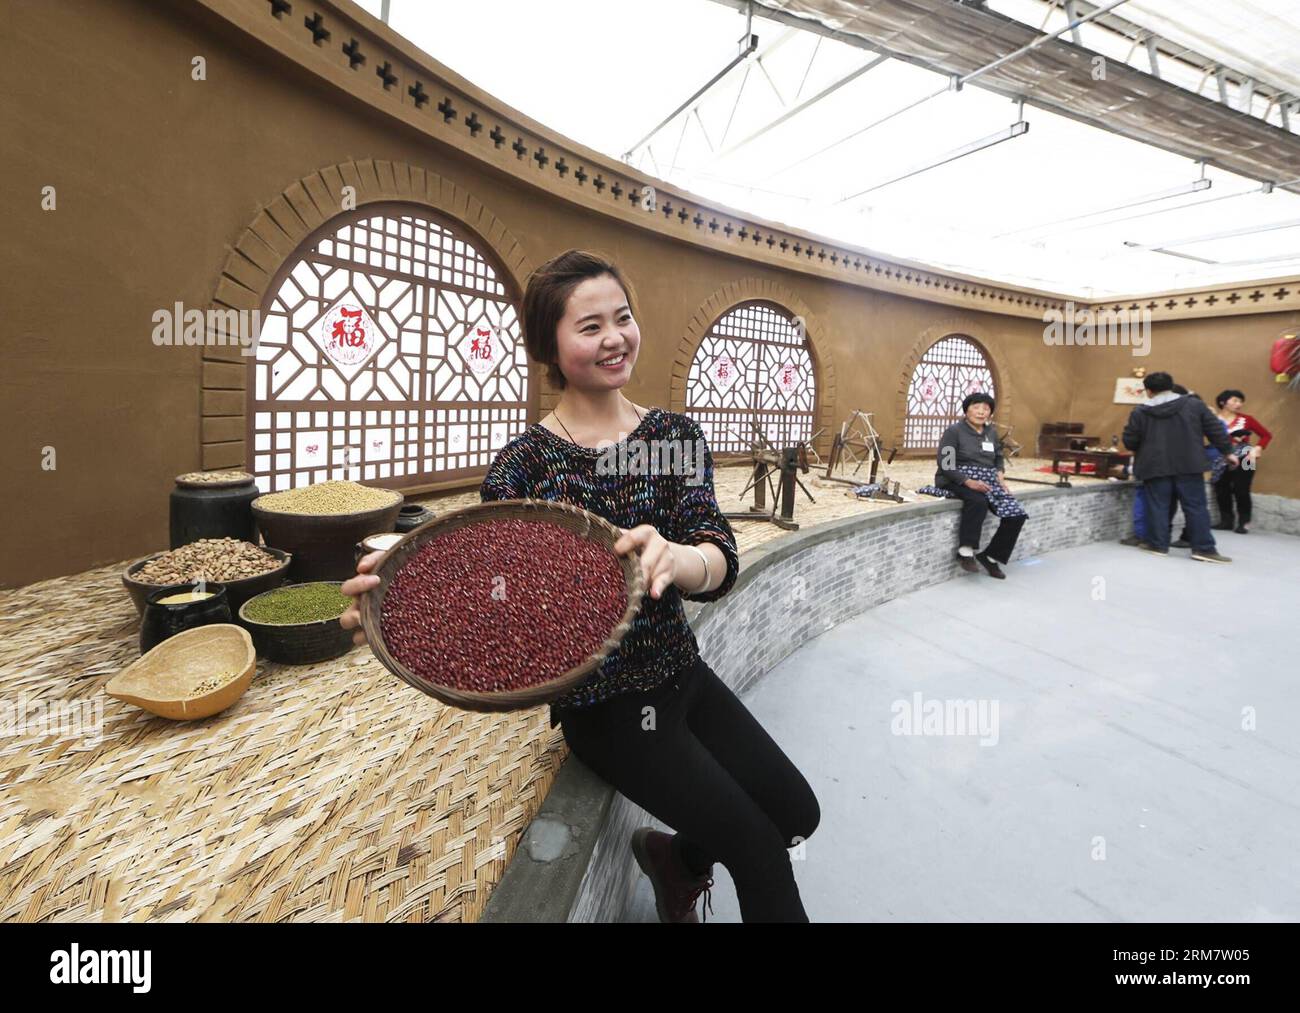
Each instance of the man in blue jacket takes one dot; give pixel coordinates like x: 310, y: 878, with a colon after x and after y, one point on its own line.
x: 1167, y: 436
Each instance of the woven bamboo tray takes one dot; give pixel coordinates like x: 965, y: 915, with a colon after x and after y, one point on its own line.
x: 575, y: 519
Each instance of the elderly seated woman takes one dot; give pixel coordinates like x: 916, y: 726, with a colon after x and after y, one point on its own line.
x: 971, y: 467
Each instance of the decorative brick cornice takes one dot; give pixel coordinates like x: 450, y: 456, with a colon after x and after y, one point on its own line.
x: 365, y: 58
x: 280, y: 228
x: 988, y: 344
x: 345, y: 46
x: 745, y: 290
x: 1277, y: 296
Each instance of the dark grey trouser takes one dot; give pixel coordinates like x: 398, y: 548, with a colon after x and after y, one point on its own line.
x: 705, y: 766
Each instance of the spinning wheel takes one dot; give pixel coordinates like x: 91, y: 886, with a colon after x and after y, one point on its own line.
x: 1010, y: 447
x: 775, y: 471
x: 808, y: 451
x: 858, y: 441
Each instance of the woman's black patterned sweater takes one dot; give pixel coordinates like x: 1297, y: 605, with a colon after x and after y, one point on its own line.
x: 655, y: 476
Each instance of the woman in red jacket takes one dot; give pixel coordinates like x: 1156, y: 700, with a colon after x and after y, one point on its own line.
x: 1235, y: 482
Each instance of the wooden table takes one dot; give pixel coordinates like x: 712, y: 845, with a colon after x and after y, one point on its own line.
x: 1048, y: 442
x: 1102, y: 460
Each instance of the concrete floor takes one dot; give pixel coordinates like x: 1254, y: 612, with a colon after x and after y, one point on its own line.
x: 1125, y: 783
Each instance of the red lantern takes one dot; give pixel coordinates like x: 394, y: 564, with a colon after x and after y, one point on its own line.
x: 1285, y: 358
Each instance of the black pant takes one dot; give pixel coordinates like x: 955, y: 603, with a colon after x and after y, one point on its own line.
x: 1189, y: 490
x: 974, y: 508
x: 1186, y: 536
x: 1234, y: 485
x: 690, y: 754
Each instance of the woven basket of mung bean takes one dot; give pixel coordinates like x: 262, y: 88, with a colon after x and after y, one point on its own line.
x: 502, y: 605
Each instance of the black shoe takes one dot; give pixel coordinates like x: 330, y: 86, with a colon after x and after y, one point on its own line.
x: 1151, y: 548
x: 1130, y: 540
x: 1221, y: 527
x: 1182, y: 543
x: 677, y: 889
x: 991, y: 565
x: 967, y: 563
x: 1241, y: 529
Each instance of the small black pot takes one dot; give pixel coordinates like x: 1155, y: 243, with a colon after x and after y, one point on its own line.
x: 411, y: 516
x: 163, y: 621
x: 297, y: 643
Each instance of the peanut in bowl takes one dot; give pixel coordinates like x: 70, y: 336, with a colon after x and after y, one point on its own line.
x: 141, y: 579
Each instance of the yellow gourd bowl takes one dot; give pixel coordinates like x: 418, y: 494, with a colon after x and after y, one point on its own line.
x: 168, y: 681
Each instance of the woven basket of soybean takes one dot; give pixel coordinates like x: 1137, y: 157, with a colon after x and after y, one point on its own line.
x: 573, y: 519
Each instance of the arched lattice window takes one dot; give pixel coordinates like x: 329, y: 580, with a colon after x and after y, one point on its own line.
x: 389, y: 353
x: 753, y: 366
x: 952, y: 368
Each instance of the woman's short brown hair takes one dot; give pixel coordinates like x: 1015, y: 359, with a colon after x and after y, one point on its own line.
x: 547, y: 296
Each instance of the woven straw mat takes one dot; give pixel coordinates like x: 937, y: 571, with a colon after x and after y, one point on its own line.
x: 329, y: 792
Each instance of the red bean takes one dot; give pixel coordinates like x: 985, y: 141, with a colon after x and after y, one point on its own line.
x: 563, y: 596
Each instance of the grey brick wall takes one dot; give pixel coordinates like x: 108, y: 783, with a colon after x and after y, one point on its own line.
x: 1270, y: 513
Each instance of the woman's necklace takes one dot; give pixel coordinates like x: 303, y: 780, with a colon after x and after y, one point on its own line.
x: 570, y: 435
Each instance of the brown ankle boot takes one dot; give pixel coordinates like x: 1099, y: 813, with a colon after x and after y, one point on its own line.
x: 677, y: 889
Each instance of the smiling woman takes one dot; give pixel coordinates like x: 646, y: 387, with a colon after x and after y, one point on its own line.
x: 548, y: 311
x: 654, y: 720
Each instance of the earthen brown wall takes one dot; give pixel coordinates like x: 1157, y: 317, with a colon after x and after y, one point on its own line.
x: 1206, y: 356
x: 158, y: 176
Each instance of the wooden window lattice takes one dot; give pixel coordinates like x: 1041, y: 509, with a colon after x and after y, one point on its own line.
x: 762, y: 339
x: 952, y: 368
x: 415, y: 412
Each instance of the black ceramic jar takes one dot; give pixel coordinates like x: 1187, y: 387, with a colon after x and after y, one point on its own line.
x: 213, y: 508
x: 411, y: 516
x: 162, y: 621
